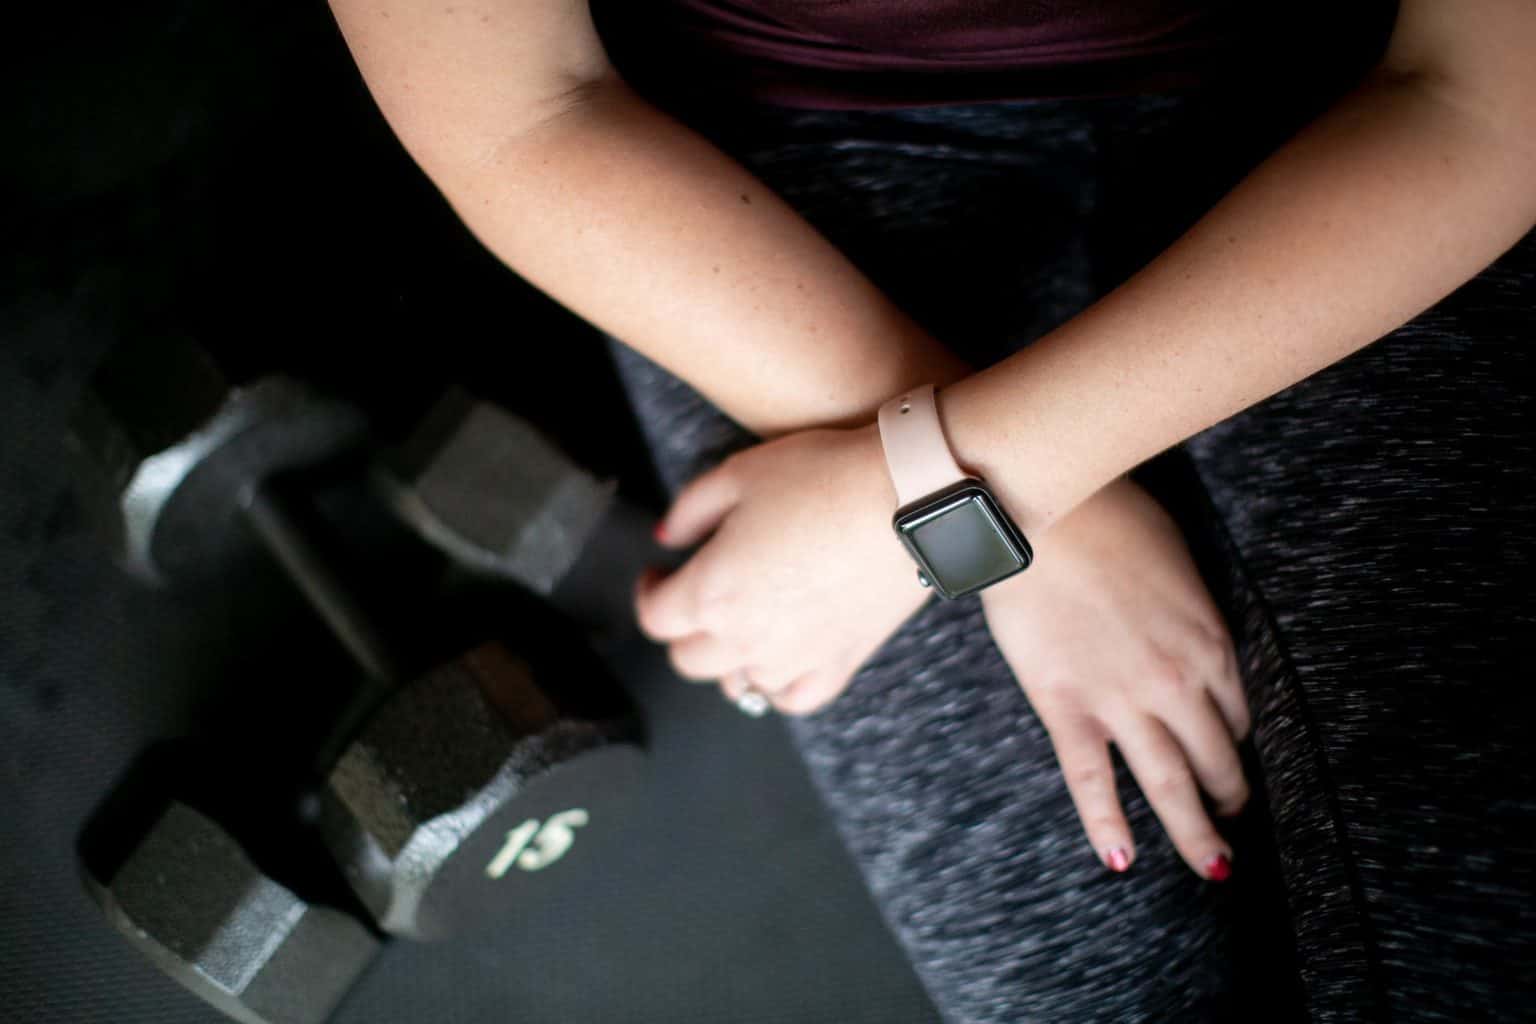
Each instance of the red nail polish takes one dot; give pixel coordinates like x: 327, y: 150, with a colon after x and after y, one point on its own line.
x: 1117, y: 859
x: 1218, y: 868
x: 659, y: 532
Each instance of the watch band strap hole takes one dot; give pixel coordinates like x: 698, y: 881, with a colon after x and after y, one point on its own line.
x: 916, y: 452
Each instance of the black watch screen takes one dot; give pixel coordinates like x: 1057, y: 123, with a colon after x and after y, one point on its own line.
x: 961, y: 539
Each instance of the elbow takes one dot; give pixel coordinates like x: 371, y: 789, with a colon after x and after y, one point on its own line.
x: 455, y: 159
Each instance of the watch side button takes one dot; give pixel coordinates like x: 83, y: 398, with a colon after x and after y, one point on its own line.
x: 922, y: 578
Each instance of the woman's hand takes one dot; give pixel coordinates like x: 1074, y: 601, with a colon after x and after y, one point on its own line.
x: 1114, y: 639
x: 800, y: 579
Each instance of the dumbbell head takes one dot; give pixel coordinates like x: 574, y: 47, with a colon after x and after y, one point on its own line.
x: 495, y: 494
x: 172, y: 448
x: 187, y: 893
x: 464, y: 786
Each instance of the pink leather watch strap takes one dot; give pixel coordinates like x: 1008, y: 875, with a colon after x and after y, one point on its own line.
x: 916, y: 452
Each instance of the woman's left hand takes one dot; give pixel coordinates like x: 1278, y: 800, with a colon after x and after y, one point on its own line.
x: 800, y: 579
x: 1115, y: 640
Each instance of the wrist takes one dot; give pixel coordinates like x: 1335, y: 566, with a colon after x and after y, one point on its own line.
x: 966, y: 527
x: 876, y: 504
x: 950, y: 522
x: 906, y: 364
x: 872, y: 472
x: 1027, y: 460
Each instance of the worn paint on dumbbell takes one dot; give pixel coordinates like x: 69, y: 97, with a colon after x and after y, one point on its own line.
x: 533, y: 847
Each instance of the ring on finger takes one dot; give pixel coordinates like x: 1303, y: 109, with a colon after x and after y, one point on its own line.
x: 751, y: 701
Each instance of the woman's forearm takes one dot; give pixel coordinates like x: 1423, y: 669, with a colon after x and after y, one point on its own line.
x: 642, y: 227
x: 1399, y: 194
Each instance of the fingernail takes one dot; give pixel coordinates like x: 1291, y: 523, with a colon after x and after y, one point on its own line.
x: 1117, y: 859
x: 1218, y: 868
x: 659, y: 532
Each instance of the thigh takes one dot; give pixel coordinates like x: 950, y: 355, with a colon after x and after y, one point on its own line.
x: 1386, y: 509
x: 948, y: 794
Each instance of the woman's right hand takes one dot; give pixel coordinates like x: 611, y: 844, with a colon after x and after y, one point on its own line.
x: 1114, y: 639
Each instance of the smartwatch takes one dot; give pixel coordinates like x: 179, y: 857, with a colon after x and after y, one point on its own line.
x: 948, y: 520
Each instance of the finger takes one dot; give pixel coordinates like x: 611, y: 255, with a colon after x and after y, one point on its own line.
x: 807, y: 694
x: 1211, y: 752
x: 1227, y: 691
x: 702, y: 657
x: 665, y: 605
x: 699, y: 507
x: 1083, y: 752
x: 760, y: 679
x: 733, y: 684
x: 1158, y: 762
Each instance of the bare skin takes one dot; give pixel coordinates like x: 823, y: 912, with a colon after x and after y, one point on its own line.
x: 1400, y: 193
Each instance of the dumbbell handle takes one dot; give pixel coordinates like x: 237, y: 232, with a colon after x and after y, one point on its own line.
x: 270, y: 517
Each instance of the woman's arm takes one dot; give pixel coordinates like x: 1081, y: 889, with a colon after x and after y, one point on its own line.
x: 1393, y: 198
x: 629, y: 218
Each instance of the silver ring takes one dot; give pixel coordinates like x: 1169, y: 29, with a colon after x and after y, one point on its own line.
x: 752, y: 701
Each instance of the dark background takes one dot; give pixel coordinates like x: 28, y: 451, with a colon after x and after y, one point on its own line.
x: 220, y: 172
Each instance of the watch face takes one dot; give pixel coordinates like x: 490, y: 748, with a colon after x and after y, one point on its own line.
x: 962, y: 540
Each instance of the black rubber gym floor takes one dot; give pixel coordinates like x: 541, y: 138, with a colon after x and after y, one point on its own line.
x: 219, y: 173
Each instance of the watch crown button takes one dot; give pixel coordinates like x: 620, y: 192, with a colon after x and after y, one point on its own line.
x: 922, y: 578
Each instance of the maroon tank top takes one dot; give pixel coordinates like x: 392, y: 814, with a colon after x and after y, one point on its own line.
x: 881, y: 53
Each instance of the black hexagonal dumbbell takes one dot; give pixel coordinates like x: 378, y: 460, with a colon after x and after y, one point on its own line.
x: 196, y: 861
x: 550, y: 529
x: 436, y: 783
x: 445, y: 478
